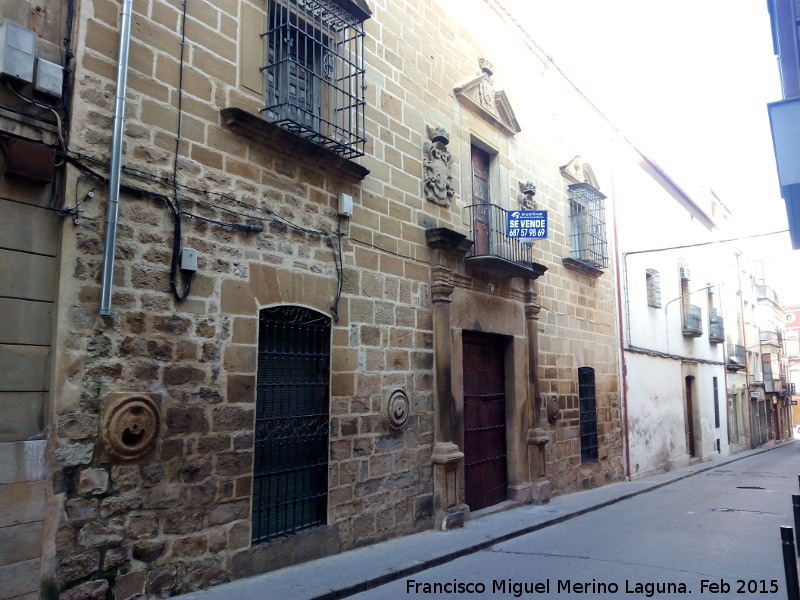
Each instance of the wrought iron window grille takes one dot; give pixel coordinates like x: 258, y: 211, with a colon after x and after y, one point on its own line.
x: 588, y: 414
x: 653, y: 282
x: 315, y: 72
x: 588, y: 225
x: 290, y: 472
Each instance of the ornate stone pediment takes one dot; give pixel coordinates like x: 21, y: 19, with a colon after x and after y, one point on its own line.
x: 480, y: 95
x: 576, y: 171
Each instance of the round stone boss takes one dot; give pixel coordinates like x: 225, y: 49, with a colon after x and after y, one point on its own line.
x: 131, y: 426
x: 397, y: 409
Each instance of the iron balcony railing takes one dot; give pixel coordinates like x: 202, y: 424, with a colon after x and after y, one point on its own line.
x: 716, y: 326
x: 737, y: 357
x: 764, y: 291
x: 487, y: 223
x: 693, y: 322
x: 772, y: 385
x: 772, y: 338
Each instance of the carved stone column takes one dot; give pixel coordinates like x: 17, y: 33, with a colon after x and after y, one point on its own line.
x: 447, y: 458
x: 537, y: 437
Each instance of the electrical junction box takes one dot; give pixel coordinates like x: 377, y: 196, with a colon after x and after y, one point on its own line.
x: 189, y: 259
x: 17, y: 51
x: 345, y: 205
x: 49, y: 78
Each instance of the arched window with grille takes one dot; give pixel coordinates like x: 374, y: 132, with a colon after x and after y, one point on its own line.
x: 290, y: 468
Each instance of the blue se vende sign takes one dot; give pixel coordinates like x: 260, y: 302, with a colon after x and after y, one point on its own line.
x: 527, y: 224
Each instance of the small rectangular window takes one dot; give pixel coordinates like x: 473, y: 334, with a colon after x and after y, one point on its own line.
x: 653, y: 288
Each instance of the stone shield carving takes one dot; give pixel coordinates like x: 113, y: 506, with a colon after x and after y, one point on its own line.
x: 438, y: 163
x: 525, y: 198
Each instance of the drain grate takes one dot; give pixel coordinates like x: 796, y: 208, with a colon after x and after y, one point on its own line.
x: 749, y: 487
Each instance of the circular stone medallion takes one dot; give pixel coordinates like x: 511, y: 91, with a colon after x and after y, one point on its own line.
x: 397, y: 409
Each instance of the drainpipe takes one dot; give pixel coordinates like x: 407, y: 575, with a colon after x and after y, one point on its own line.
x: 623, y: 366
x: 748, y: 401
x: 116, y: 157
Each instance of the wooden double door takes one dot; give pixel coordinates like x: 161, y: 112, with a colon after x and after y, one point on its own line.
x: 485, y: 450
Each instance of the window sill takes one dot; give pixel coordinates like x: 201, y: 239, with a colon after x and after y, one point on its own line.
x: 581, y: 267
x: 263, y: 132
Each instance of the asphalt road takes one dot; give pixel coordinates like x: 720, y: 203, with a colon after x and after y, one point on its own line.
x: 713, y: 535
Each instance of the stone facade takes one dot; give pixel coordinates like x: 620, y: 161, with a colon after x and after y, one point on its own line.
x: 399, y: 281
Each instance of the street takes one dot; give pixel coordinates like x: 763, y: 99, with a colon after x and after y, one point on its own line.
x: 712, y: 535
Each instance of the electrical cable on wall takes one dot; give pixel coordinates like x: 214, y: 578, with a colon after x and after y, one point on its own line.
x: 78, y: 160
x: 574, y: 317
x: 187, y: 276
x: 179, y: 192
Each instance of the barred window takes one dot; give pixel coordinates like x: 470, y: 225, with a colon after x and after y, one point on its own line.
x: 315, y: 71
x: 588, y: 225
x: 588, y: 414
x: 653, y: 288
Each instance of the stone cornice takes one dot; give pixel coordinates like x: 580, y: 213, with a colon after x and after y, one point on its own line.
x: 581, y: 267
x: 268, y: 134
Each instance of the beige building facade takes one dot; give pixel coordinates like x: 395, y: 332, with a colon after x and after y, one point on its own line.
x: 316, y: 332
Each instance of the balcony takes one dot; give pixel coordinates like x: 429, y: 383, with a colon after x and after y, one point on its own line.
x: 693, y: 322
x: 495, y: 252
x: 773, y: 385
x: 774, y: 339
x: 767, y: 293
x: 737, y: 358
x: 716, y: 327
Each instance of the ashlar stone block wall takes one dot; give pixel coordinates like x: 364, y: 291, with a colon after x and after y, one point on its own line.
x: 178, y: 518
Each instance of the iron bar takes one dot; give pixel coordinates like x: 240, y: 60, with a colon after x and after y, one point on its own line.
x: 790, y: 564
x: 796, y: 508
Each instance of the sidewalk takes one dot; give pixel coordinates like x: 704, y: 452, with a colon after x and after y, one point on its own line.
x: 348, y: 573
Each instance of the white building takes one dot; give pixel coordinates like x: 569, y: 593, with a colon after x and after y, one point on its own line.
x: 672, y: 329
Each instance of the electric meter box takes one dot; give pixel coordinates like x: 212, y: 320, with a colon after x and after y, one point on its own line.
x: 49, y: 78
x: 17, y: 51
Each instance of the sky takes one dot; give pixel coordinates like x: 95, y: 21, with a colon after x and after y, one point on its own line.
x: 688, y: 82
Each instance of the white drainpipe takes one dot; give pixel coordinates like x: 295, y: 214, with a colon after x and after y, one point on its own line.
x: 116, y: 159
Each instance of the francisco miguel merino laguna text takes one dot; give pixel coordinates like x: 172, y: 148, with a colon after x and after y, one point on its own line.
x: 647, y: 589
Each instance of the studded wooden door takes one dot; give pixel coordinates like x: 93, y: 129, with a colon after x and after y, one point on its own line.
x: 485, y: 470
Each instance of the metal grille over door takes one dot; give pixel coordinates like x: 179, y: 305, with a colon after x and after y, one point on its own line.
x: 290, y: 471
x: 485, y: 470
